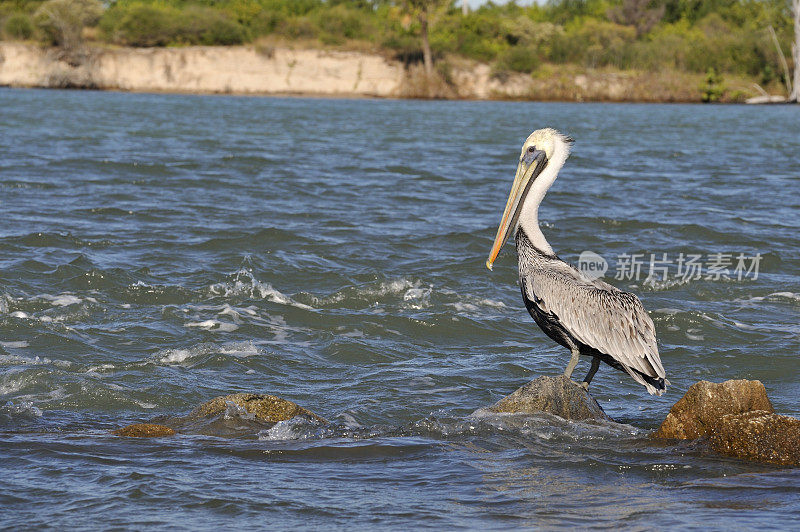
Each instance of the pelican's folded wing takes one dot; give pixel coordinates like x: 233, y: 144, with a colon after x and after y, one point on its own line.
x: 597, y: 314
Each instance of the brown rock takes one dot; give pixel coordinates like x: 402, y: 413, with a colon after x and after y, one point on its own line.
x: 265, y: 408
x: 144, y: 430
x: 552, y: 395
x: 758, y: 435
x: 705, y: 403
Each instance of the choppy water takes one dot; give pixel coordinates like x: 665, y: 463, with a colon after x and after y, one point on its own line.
x: 157, y: 251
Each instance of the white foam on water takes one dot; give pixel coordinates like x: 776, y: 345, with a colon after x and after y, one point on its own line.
x: 213, y: 325
x: 19, y: 314
x: 465, y: 308
x: 33, y: 361
x: 232, y: 313
x: 492, y: 303
x: 416, y: 293
x: 14, y: 345
x: 774, y: 296
x: 297, y: 428
x: 368, y: 292
x: 246, y: 285
x: 418, y: 298
x: 390, y: 287
x: 175, y: 356
x: 102, y: 368
x: 61, y: 300
x: 236, y: 349
x: 240, y: 349
x: 21, y: 409
x: 470, y: 304
x: 11, y: 385
x: 785, y: 295
x: 234, y: 411
x: 474, y: 305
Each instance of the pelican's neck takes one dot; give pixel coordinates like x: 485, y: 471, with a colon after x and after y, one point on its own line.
x: 529, y: 213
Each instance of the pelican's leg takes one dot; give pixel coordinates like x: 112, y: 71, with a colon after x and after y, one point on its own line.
x: 592, y: 371
x: 572, y: 362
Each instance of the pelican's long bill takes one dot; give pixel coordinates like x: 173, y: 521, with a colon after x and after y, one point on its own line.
x: 530, y: 166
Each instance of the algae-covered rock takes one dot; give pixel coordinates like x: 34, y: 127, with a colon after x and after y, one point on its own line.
x: 705, y: 403
x: 734, y: 418
x: 758, y: 435
x: 144, y: 430
x: 265, y: 408
x: 559, y: 396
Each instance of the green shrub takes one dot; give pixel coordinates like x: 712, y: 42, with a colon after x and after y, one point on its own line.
x: 266, y: 22
x: 603, y: 43
x: 202, y: 25
x: 147, y: 25
x: 298, y: 28
x: 518, y: 59
x: 154, y: 25
x: 712, y: 88
x: 341, y: 22
x: 18, y: 26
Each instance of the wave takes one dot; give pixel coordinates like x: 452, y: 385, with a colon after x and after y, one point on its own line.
x: 543, y: 427
x: 235, y: 349
x: 243, y: 284
x: 13, y: 412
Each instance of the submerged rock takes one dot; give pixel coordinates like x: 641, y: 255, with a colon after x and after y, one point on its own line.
x: 264, y: 408
x: 234, y: 415
x: 559, y: 396
x: 706, y: 402
x: 735, y: 418
x: 759, y: 435
x: 144, y: 430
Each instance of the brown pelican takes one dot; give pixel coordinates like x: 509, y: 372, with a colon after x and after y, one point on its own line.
x: 589, y: 317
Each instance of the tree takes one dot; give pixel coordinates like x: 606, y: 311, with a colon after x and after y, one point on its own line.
x: 425, y: 11
x: 637, y: 13
x: 795, y: 96
x: 63, y: 20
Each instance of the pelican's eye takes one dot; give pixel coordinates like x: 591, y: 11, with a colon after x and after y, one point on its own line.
x: 531, y: 149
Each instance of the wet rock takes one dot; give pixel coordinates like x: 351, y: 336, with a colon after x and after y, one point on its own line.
x: 705, y: 403
x: 144, y: 430
x: 734, y: 418
x: 559, y: 396
x: 264, y: 408
x: 758, y: 435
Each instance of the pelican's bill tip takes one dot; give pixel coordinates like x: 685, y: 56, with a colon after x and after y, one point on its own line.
x: 489, y: 264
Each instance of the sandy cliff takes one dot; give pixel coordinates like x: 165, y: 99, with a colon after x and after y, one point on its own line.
x: 266, y: 70
x: 242, y: 70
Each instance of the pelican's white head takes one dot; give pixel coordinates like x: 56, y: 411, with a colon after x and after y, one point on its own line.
x: 543, y: 154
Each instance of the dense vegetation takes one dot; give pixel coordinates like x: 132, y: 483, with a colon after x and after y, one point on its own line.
x: 730, y: 36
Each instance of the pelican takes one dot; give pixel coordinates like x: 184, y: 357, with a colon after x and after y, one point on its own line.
x: 589, y: 317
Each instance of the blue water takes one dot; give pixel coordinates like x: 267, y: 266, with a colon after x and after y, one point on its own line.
x: 157, y: 251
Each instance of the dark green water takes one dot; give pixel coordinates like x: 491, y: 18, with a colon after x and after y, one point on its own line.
x: 157, y: 251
